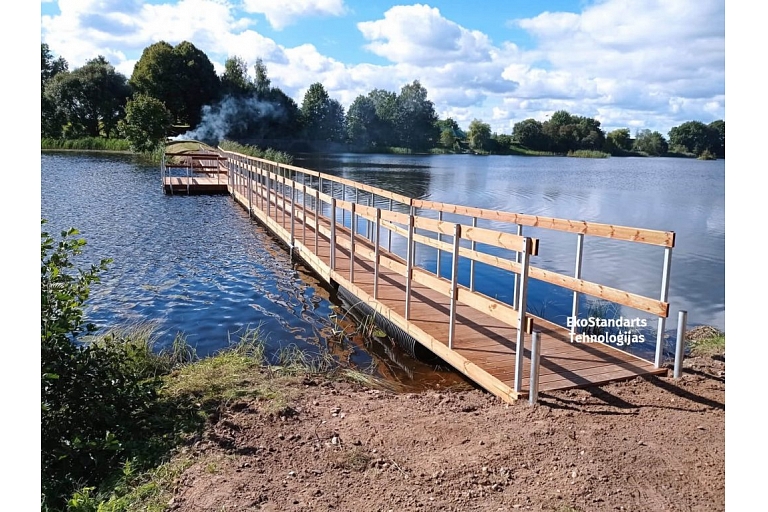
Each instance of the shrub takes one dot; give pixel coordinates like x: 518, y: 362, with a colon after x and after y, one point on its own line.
x: 95, y: 402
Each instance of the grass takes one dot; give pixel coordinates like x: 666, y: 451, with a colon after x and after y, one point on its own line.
x: 86, y: 144
x: 192, y: 392
x: 710, y: 346
x: 586, y: 153
x: 280, y: 157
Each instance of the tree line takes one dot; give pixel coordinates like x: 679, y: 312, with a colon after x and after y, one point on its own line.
x: 177, y: 86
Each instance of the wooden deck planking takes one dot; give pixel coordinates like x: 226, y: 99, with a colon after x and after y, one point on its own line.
x: 482, y: 340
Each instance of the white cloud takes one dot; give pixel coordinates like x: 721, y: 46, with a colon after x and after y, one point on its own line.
x: 419, y: 34
x: 651, y: 65
x: 281, y: 13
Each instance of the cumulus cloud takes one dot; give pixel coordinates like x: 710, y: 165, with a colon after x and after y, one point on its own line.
x: 419, y: 34
x: 281, y: 13
x: 629, y: 64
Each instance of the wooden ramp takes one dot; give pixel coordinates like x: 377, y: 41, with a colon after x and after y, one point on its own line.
x: 484, y: 345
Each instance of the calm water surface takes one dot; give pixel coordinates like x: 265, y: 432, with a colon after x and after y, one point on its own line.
x: 681, y: 195
x: 200, y: 266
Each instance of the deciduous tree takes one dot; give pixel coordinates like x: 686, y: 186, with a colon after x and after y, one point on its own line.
x: 479, y: 134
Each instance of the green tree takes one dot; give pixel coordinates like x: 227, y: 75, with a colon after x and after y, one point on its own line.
x: 91, y: 99
x: 415, y: 118
x: 51, y: 119
x: 530, y: 133
x: 235, y: 81
x: 262, y: 81
x: 692, y: 137
x: 323, y: 116
x: 361, y: 118
x: 182, y: 77
x: 618, y: 141
x: 447, y: 138
x: 146, y: 123
x: 567, y: 132
x: 651, y: 143
x: 717, y: 137
x: 383, y: 131
x: 479, y: 134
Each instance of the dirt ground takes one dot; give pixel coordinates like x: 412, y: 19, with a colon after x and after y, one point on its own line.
x: 651, y: 444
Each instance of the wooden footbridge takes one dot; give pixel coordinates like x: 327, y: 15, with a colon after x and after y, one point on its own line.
x: 335, y: 226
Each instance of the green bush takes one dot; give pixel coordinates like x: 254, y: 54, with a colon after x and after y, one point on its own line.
x: 96, y: 403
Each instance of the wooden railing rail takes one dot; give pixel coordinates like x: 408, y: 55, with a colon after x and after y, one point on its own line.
x: 404, y: 224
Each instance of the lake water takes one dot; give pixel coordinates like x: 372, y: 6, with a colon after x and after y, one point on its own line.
x: 199, y: 265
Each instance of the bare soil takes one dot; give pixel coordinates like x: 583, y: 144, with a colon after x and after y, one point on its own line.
x: 652, y: 444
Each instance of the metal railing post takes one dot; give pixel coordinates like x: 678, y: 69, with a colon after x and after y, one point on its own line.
x: 515, y: 278
x: 317, y: 219
x: 332, y: 217
x: 343, y: 198
x: 303, y: 212
x: 454, y: 284
x: 369, y: 223
x: 439, y: 239
x: 473, y: 246
x: 250, y: 190
x: 293, y: 218
x: 533, y: 389
x: 282, y: 194
x: 376, y: 255
x: 352, y: 244
x: 269, y: 194
x: 389, y: 231
x: 682, y: 319
x: 577, y: 275
x: 409, y: 268
x: 521, y: 320
x: 664, y: 296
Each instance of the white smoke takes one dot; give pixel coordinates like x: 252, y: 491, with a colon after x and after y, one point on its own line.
x: 241, y: 116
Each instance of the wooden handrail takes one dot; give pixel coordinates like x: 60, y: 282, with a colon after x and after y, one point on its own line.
x: 501, y: 239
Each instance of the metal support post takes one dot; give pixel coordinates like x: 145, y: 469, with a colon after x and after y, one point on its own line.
x: 409, y: 269
x: 533, y: 390
x: 664, y: 297
x: 682, y: 319
x: 521, y: 314
x: 454, y: 283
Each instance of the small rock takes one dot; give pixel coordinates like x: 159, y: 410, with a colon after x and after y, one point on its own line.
x: 291, y: 473
x: 280, y: 436
x: 335, y: 440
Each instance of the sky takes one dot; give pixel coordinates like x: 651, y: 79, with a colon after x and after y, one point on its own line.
x: 629, y: 64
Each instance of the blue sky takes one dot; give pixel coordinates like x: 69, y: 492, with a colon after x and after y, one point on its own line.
x: 651, y: 64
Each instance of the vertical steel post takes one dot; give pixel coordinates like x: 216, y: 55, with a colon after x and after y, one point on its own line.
x: 317, y: 219
x: 293, y: 218
x: 454, y: 284
x: 682, y: 319
x: 515, y: 277
x: 389, y: 231
x: 250, y: 191
x: 533, y: 389
x: 577, y: 275
x: 369, y: 223
x: 303, y: 212
x: 521, y: 320
x: 352, y: 245
x: 343, y: 198
x: 282, y: 193
x: 376, y: 255
x: 473, y: 246
x: 664, y: 297
x: 269, y: 194
x: 439, y: 239
x: 332, y: 217
x: 409, y: 269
